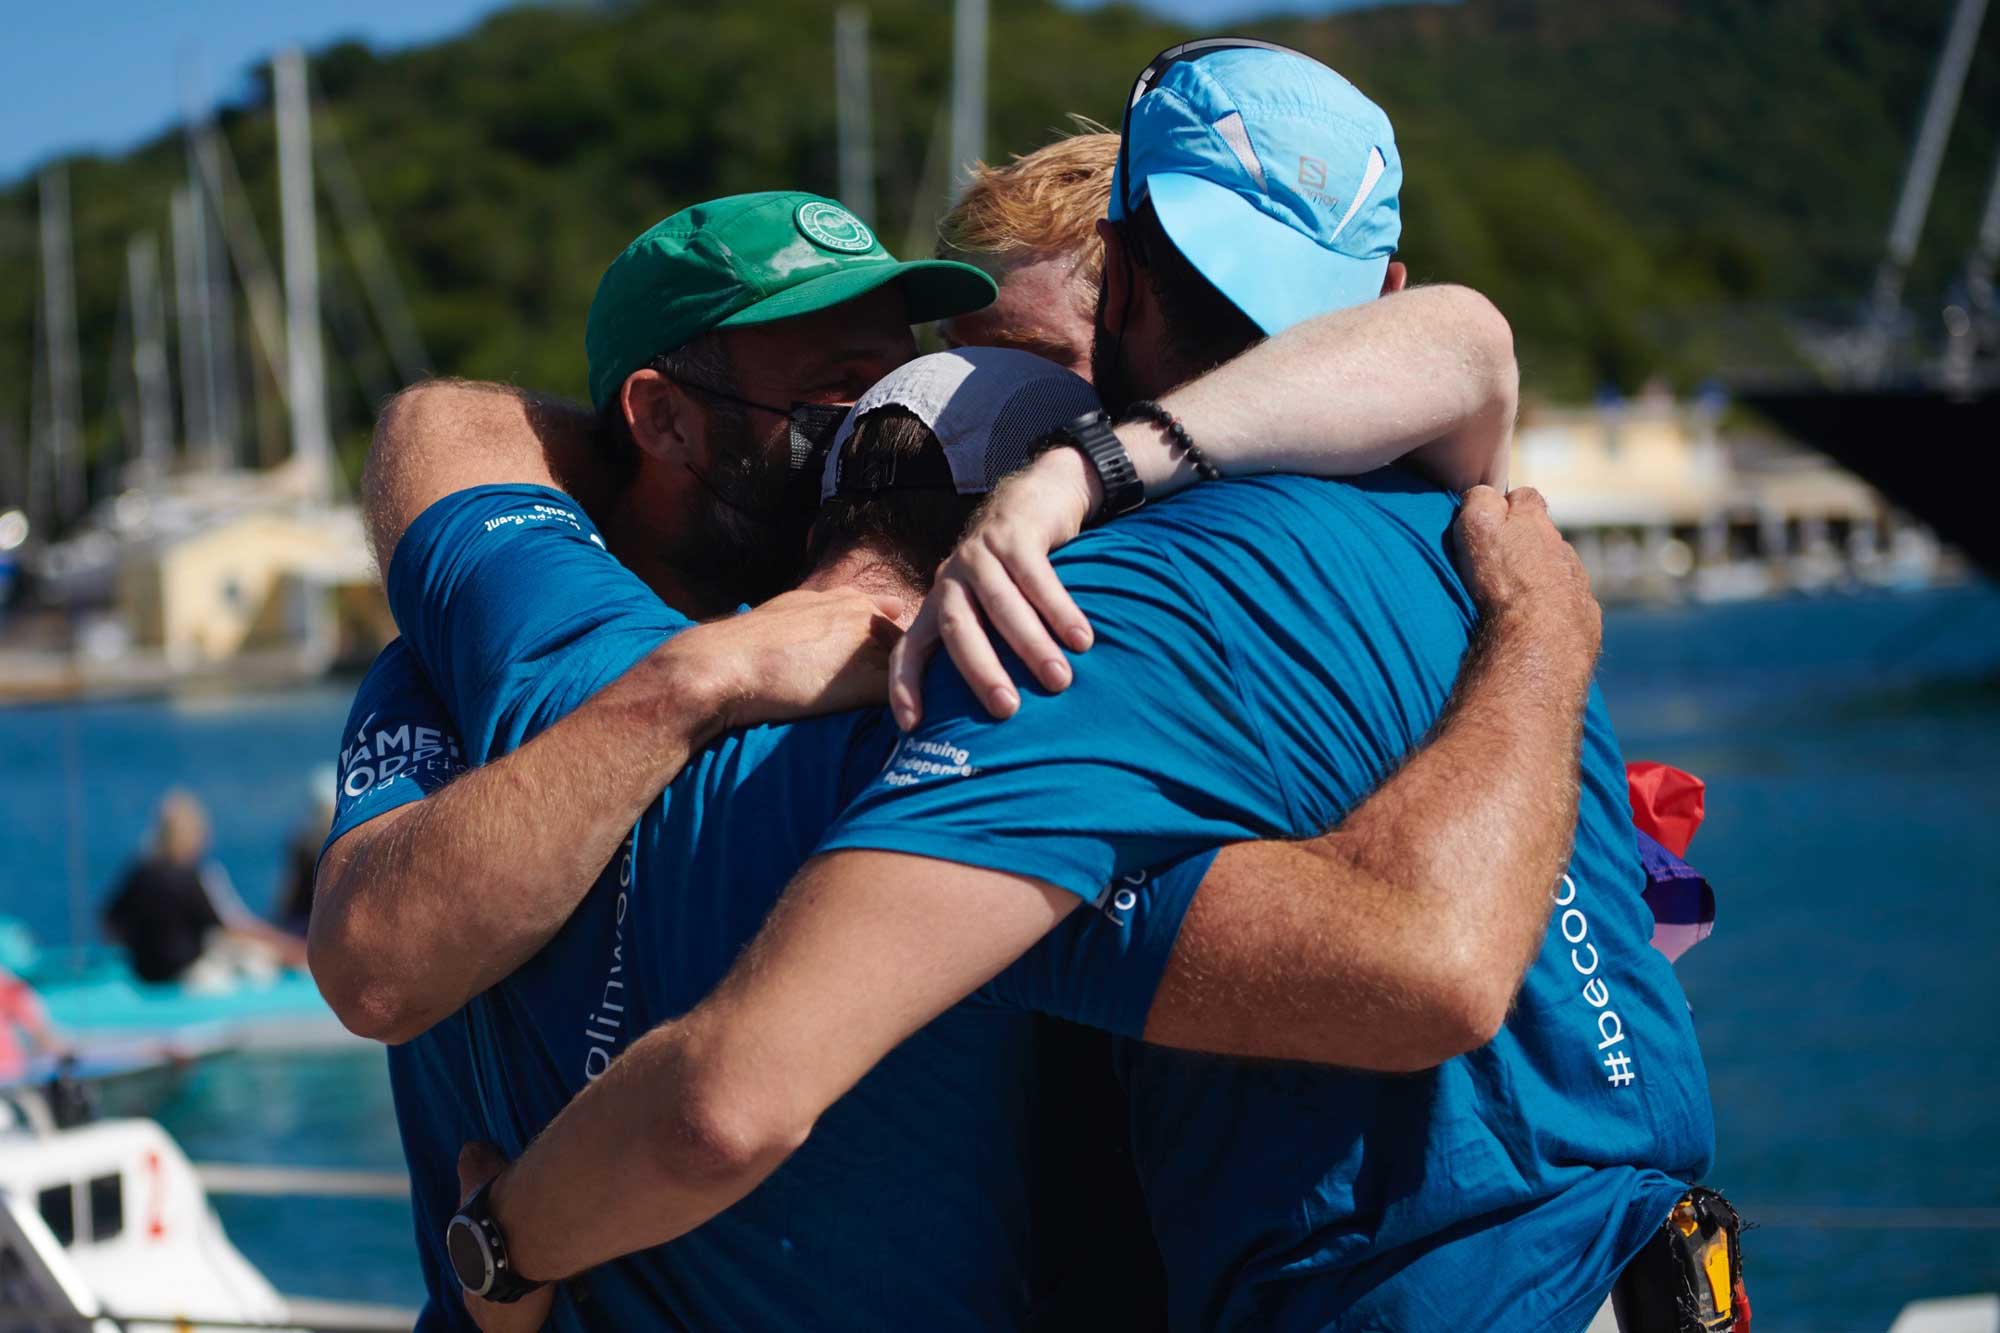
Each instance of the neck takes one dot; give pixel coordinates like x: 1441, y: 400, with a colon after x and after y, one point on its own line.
x: 866, y: 569
x: 633, y: 537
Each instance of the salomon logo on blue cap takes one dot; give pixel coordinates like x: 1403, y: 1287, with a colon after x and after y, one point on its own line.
x: 1275, y: 177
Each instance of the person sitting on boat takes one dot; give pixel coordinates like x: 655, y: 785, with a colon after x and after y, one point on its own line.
x: 179, y: 916
x: 292, y: 910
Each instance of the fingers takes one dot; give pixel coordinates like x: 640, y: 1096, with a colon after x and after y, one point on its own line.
x: 965, y: 639
x: 1477, y: 526
x: 1036, y: 578
x: 895, y: 608
x: 1017, y: 622
x: 906, y: 667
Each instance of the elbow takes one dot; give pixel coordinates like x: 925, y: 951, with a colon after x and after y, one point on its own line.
x: 721, y: 1127
x: 367, y: 1006
x: 1488, y: 341
x: 411, y: 427
x: 400, y: 420
x: 1489, y: 332
x: 718, y: 1141
x: 1466, y: 1001
x: 367, y: 1002
x: 1471, y: 1017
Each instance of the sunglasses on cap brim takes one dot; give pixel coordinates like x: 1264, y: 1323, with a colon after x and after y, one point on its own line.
x: 1156, y: 69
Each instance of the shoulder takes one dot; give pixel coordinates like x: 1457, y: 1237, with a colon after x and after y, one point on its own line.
x: 1265, y: 513
x: 488, y: 515
x: 394, y: 672
x: 1301, y: 508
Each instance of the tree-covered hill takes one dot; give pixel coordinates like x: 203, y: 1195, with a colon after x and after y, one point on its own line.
x: 1593, y: 164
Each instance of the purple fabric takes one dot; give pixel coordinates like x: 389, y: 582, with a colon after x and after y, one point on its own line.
x: 1683, y: 903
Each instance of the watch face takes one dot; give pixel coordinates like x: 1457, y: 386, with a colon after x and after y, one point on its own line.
x: 469, y: 1256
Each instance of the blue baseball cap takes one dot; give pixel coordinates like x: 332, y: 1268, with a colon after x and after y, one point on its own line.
x: 1274, y: 176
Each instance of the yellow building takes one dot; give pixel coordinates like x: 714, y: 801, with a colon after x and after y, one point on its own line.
x: 265, y: 581
x: 1661, y: 503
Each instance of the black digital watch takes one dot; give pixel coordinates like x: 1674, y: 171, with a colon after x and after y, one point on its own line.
x: 1093, y: 436
x: 479, y: 1252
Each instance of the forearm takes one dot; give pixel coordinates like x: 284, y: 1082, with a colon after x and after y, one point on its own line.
x: 1428, y: 372
x: 447, y: 435
x: 1397, y: 940
x: 1478, y: 824
x: 863, y: 949
x: 421, y: 909
x: 630, y: 1163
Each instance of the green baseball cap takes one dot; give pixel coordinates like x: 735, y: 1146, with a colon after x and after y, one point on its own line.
x: 752, y: 259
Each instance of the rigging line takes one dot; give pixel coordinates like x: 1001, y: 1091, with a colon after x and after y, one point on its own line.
x: 370, y: 255
x: 252, y: 262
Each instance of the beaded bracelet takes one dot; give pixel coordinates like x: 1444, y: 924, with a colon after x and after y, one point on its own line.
x: 1178, y: 435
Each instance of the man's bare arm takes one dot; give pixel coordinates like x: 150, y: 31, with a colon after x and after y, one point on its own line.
x: 1427, y: 374
x: 448, y: 435
x: 422, y: 908
x: 698, y: 1112
x: 867, y: 946
x: 1398, y: 940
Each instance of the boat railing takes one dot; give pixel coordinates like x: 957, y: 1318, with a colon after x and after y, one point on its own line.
x: 49, y: 1320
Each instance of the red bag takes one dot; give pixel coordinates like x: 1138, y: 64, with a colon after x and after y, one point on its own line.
x: 1667, y: 804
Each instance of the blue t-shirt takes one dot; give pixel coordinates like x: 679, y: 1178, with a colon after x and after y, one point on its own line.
x: 399, y: 747
x: 1267, y: 651
x: 907, y: 1206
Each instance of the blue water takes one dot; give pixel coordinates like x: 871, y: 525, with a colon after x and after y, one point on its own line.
x: 1846, y: 1004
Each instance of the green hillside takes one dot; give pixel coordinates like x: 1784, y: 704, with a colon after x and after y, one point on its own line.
x: 1599, y: 166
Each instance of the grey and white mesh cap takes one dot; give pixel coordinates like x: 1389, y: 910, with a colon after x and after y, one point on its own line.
x: 988, y: 407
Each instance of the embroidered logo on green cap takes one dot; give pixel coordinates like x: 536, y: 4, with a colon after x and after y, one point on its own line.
x: 833, y: 227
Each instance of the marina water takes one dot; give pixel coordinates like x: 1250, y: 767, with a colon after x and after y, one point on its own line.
x: 1847, y: 1002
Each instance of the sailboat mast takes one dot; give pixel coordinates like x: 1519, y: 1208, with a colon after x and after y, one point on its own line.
x: 968, y: 89
x: 1985, y: 256
x: 304, y: 366
x: 1913, y: 203
x: 64, y: 443
x: 149, y: 355
x: 191, y: 315
x: 856, y: 120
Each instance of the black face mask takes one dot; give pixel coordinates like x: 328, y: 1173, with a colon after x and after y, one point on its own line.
x: 811, y: 428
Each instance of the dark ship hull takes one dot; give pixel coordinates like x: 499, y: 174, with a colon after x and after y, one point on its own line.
x: 1936, y: 456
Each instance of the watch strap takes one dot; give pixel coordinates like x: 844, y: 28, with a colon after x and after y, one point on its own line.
x: 503, y: 1285
x: 1093, y: 436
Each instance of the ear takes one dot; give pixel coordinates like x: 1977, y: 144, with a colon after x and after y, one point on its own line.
x: 660, y: 414
x: 1116, y: 284
x: 1397, y: 278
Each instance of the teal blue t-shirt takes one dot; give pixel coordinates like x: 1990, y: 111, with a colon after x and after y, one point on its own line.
x: 399, y: 746
x: 907, y: 1206
x: 1267, y: 651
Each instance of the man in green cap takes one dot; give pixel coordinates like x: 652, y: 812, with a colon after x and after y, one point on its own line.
x: 724, y: 345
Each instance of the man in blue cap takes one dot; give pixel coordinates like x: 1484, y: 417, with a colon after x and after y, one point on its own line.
x: 1274, y: 178
x: 1267, y: 651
